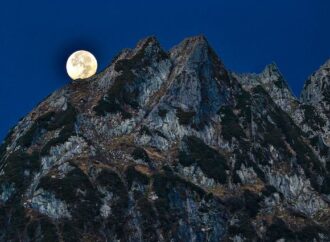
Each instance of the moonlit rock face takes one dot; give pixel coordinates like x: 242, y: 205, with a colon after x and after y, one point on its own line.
x: 170, y: 135
x: 81, y: 65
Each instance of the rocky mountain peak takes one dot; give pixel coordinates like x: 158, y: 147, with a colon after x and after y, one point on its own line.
x: 317, y: 88
x: 272, y: 73
x: 167, y: 146
x: 192, y: 50
x: 315, y: 96
x: 192, y: 42
x: 270, y: 77
x: 272, y: 80
x: 198, y: 83
x: 147, y: 45
x: 150, y: 40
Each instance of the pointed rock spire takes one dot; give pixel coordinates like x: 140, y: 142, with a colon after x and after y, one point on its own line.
x: 272, y: 80
x: 317, y: 87
x: 194, y: 50
x: 199, y: 82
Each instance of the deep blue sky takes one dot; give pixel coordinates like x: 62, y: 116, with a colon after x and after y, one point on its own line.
x: 37, y: 36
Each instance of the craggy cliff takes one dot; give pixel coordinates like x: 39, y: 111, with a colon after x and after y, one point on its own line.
x: 171, y: 146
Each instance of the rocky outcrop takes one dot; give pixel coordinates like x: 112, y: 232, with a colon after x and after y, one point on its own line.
x: 315, y: 94
x: 316, y: 88
x: 274, y: 83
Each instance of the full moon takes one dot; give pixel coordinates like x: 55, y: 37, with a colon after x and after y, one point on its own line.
x: 81, y: 65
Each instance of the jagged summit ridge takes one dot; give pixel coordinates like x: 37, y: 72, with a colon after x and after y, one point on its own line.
x: 190, y: 48
x: 168, y: 146
x: 274, y: 83
x: 316, y: 88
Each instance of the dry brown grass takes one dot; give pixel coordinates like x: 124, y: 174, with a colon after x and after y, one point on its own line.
x: 220, y: 191
x: 125, y: 141
x: 256, y: 187
x: 294, y: 222
x: 154, y: 154
x: 143, y: 169
x: 91, y: 238
x: 82, y: 163
x: 226, y: 192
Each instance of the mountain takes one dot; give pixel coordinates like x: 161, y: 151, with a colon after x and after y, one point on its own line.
x: 170, y: 146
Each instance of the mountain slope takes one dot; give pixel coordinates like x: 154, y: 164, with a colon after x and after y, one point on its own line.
x: 165, y: 146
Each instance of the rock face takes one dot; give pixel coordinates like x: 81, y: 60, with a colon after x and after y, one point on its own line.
x: 316, y: 88
x: 170, y: 146
x: 316, y: 93
x: 274, y: 83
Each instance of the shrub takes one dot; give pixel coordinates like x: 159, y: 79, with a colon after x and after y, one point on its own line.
x: 105, y: 106
x: 17, y: 222
x: 64, y: 135
x: 48, y: 230
x: 145, y: 131
x: 230, y: 124
x: 268, y: 190
x: 27, y: 139
x: 67, y: 122
x: 252, y: 201
x: 184, y: 117
x: 326, y: 185
x: 311, y: 233
x: 148, y: 220
x: 84, y: 206
x: 49, y: 121
x: 3, y: 148
x: 169, y: 212
x: 69, y: 233
x: 133, y: 175
x: 258, y: 171
x: 162, y: 112
x: 274, y: 136
x: 140, y: 153
x: 5, y: 143
x: 65, y: 188
x: 279, y: 230
x: 244, y: 227
x: 16, y: 165
x: 160, y: 134
x: 112, y: 104
x: 112, y: 182
x: 42, y: 230
x: 326, y: 95
x: 260, y: 155
x: 209, y: 160
x: 244, y: 104
x: 312, y: 118
x: 234, y: 204
x: 63, y: 118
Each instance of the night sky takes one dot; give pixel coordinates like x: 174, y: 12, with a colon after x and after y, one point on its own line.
x: 36, y: 37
